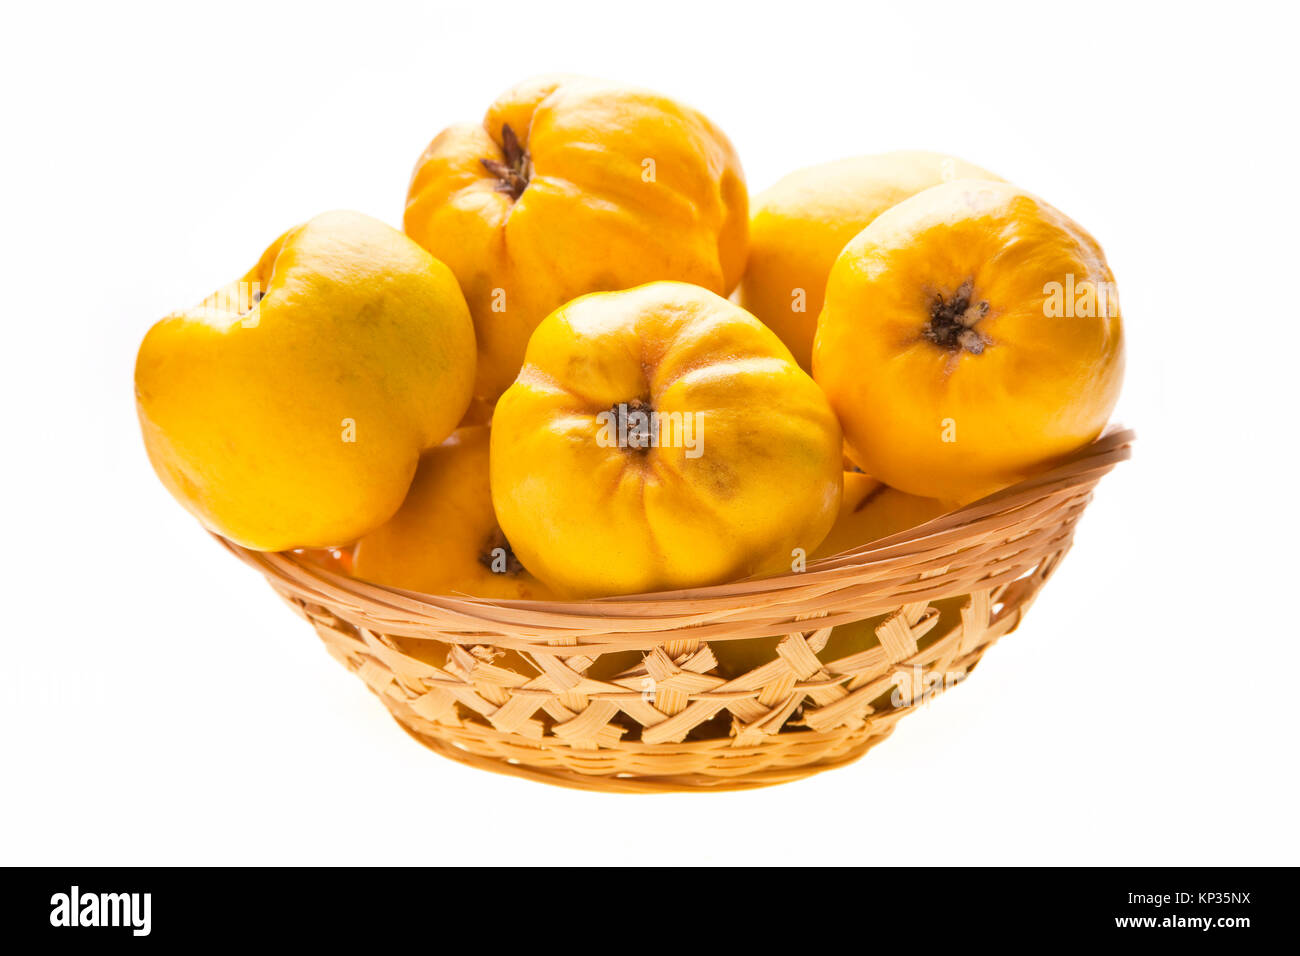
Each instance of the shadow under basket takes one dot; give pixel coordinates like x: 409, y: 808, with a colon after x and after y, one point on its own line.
x: 720, y: 688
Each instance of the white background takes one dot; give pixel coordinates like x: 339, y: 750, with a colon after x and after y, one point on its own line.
x: 158, y: 704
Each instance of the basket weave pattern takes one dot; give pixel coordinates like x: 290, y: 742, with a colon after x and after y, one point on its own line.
x: 673, y: 721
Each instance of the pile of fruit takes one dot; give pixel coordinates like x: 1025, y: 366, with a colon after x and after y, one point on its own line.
x: 539, y: 390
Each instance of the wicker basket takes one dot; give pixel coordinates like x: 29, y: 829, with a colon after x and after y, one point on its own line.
x: 505, y: 685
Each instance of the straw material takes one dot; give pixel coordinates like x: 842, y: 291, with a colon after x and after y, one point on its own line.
x: 515, y: 686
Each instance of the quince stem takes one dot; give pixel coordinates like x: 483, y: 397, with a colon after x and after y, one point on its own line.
x: 512, y: 175
x: 952, y: 321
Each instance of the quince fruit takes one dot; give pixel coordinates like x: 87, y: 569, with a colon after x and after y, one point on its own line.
x: 953, y: 360
x: 661, y: 437
x: 290, y: 408
x: 568, y: 186
x: 869, y: 511
x: 445, y: 538
x: 799, y: 226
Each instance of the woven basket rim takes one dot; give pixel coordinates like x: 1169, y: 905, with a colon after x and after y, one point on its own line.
x: 915, y: 564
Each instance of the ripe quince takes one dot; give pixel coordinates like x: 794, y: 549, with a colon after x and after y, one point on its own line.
x: 871, y: 510
x: 946, y: 352
x: 569, y: 186
x: 868, y: 511
x: 661, y: 437
x: 290, y: 408
x: 799, y: 226
x: 445, y: 538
